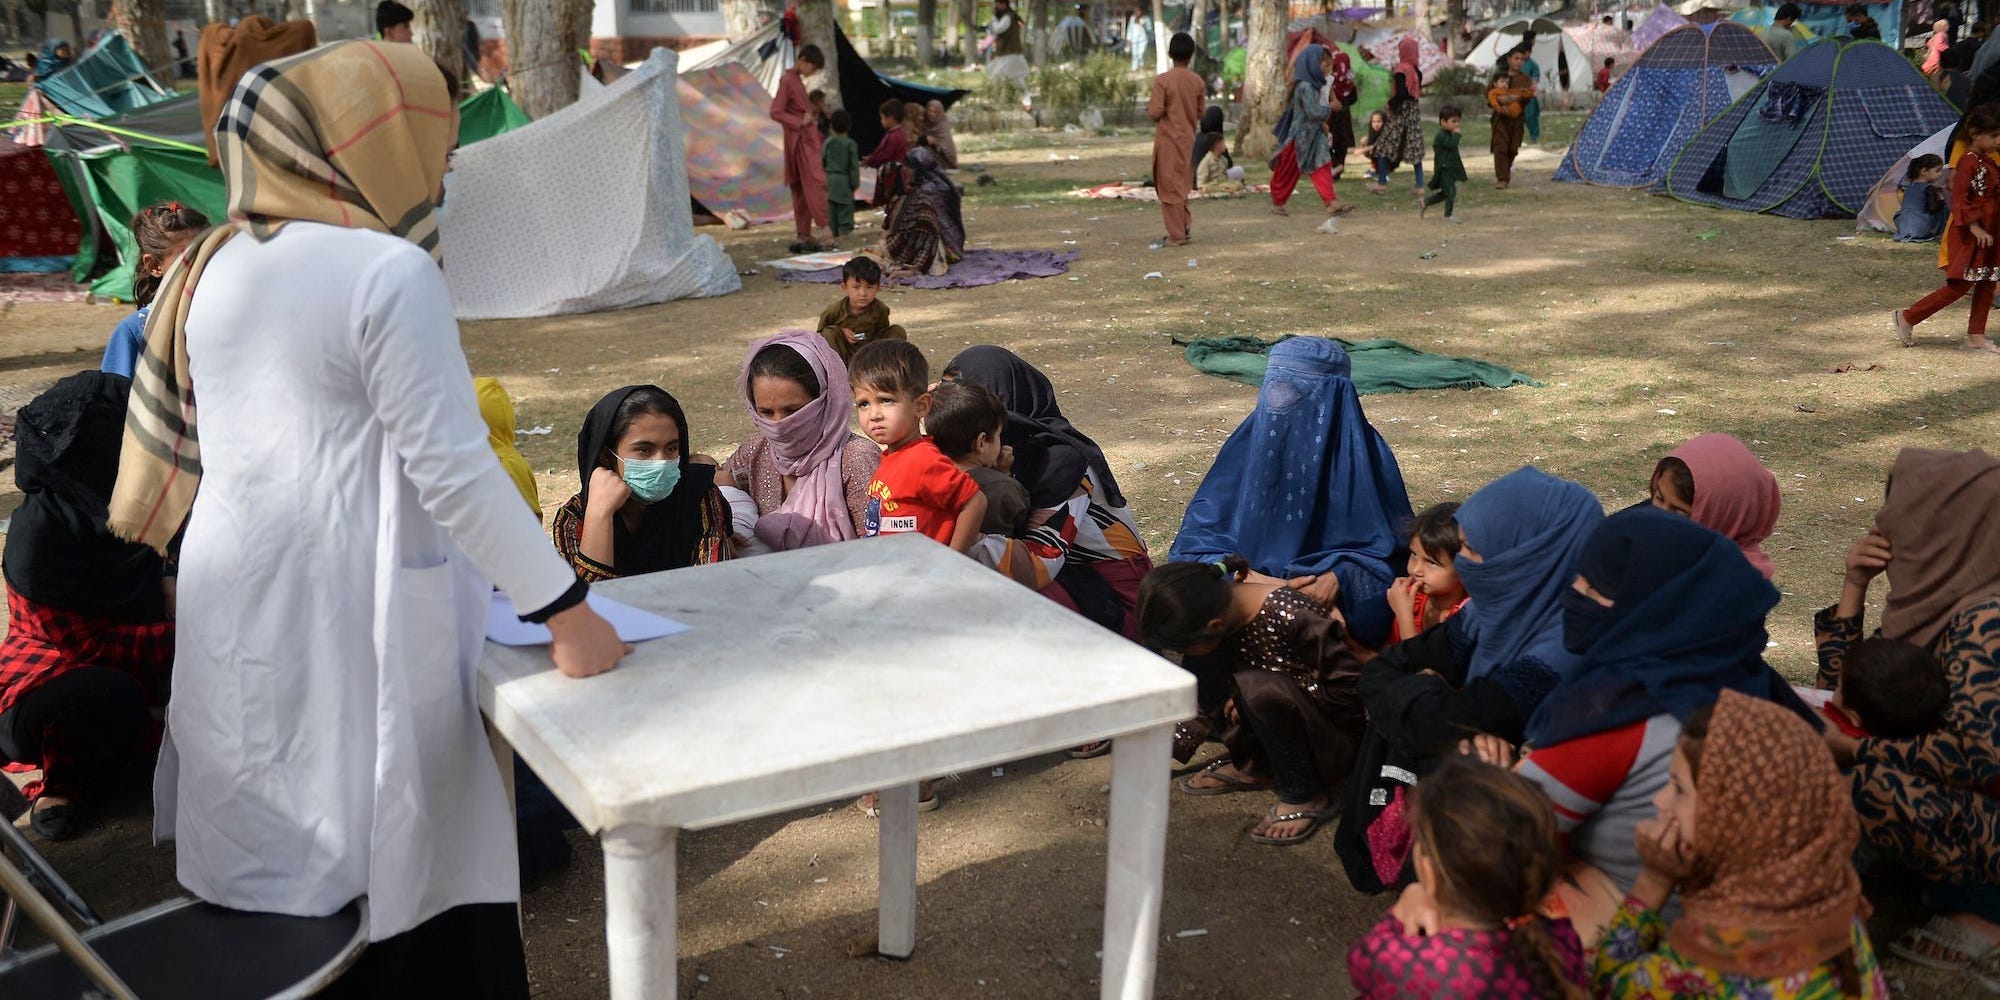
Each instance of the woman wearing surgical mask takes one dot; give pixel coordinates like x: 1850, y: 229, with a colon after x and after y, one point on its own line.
x: 646, y: 504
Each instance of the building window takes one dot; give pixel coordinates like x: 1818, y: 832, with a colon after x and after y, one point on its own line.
x: 676, y: 6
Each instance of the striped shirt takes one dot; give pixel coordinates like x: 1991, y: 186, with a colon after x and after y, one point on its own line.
x: 1602, y: 786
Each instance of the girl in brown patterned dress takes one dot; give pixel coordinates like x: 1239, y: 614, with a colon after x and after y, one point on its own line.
x: 1292, y: 719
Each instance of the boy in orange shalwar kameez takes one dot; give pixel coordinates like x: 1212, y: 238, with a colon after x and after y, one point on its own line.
x: 1175, y: 109
x: 804, y: 173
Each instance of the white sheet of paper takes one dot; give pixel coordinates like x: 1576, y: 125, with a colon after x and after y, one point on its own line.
x: 504, y: 624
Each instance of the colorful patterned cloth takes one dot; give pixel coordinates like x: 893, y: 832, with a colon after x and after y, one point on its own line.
x: 1634, y: 962
x: 35, y: 217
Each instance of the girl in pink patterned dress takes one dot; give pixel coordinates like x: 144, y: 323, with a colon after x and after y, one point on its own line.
x: 1467, y: 929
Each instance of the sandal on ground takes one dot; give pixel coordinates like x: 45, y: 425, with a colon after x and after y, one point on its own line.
x: 870, y: 804
x: 1315, y: 818
x: 1097, y: 748
x: 1947, y: 934
x: 53, y: 820
x: 1340, y: 208
x: 1279, y: 210
x: 1231, y: 784
x: 1423, y: 206
x: 1906, y: 332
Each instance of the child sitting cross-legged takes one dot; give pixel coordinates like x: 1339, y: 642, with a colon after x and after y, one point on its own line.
x: 965, y: 422
x: 1485, y: 857
x: 860, y: 315
x: 916, y: 488
x: 1921, y: 217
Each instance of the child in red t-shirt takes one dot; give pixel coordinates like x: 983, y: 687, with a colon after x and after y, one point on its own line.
x: 916, y: 488
x: 1431, y: 593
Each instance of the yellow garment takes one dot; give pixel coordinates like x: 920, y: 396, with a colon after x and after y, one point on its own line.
x: 498, y: 409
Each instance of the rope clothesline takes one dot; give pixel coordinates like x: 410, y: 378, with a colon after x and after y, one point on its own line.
x: 112, y: 129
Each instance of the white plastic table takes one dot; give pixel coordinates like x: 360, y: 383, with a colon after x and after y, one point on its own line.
x: 825, y: 673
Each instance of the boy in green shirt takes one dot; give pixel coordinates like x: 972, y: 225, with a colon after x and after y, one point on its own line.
x: 1446, y: 167
x: 842, y: 160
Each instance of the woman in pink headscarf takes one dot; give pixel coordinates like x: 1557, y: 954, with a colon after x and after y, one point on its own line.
x: 802, y: 479
x: 1716, y: 481
x: 1402, y: 139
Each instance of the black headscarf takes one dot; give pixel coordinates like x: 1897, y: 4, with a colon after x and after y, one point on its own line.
x: 1050, y: 455
x: 59, y: 553
x: 1687, y: 622
x: 1211, y: 121
x: 671, y: 529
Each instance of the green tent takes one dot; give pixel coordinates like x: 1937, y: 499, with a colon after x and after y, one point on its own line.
x: 118, y: 181
x: 1372, y: 82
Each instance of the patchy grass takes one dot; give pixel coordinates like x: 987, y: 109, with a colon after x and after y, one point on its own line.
x: 11, y: 96
x: 1645, y: 333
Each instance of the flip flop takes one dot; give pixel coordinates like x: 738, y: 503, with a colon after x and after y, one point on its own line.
x: 1089, y: 750
x: 1316, y: 817
x: 1945, y: 933
x: 1230, y: 783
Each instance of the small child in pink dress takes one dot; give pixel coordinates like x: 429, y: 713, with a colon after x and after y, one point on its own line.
x: 1468, y: 928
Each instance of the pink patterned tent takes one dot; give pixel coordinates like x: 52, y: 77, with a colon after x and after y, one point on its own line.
x: 1600, y: 41
x: 1430, y: 58
x: 735, y: 152
x: 1662, y: 20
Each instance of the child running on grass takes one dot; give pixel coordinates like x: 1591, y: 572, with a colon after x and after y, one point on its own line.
x: 1970, y: 261
x: 1447, y: 169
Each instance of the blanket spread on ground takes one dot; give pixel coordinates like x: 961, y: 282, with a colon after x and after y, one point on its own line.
x: 980, y: 267
x: 1380, y: 366
x: 1141, y: 192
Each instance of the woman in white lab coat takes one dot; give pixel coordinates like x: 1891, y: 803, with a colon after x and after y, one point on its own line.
x: 324, y: 740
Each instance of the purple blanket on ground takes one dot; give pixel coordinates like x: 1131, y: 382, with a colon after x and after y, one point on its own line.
x: 980, y: 267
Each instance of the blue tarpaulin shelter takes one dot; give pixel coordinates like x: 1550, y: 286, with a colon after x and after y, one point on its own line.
x: 1812, y: 138
x: 1685, y: 80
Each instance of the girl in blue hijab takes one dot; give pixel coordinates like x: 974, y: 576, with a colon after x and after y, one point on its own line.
x: 1490, y: 665
x: 55, y: 57
x: 1305, y: 487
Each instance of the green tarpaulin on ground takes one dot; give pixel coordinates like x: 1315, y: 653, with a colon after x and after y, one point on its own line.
x: 124, y: 180
x: 1380, y: 366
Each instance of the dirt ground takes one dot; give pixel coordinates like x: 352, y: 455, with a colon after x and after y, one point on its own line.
x: 1649, y: 321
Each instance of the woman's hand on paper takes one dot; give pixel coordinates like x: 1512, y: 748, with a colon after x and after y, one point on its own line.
x: 583, y: 643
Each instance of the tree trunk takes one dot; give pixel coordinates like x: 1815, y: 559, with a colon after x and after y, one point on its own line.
x: 968, y: 28
x: 816, y: 27
x: 1264, y: 77
x: 1454, y: 25
x: 144, y: 24
x: 439, y: 30
x: 1161, y: 37
x: 743, y: 17
x: 543, y: 67
x: 927, y: 33
x: 1198, y: 25
x: 1223, y: 41
x: 212, y: 11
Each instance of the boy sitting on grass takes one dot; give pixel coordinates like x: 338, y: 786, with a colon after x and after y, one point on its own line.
x: 859, y: 316
x: 916, y: 488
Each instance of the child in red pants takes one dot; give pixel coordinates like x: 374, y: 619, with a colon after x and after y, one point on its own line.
x: 1971, y: 261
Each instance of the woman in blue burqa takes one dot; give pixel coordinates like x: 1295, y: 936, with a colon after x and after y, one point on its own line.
x: 1307, y: 491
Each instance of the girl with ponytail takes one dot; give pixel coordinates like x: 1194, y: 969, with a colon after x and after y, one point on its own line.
x: 1291, y: 718
x: 1467, y: 929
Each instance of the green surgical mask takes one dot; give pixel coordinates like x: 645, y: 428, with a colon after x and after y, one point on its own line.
x: 652, y: 479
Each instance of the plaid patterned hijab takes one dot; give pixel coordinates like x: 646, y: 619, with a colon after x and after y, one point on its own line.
x: 354, y: 135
